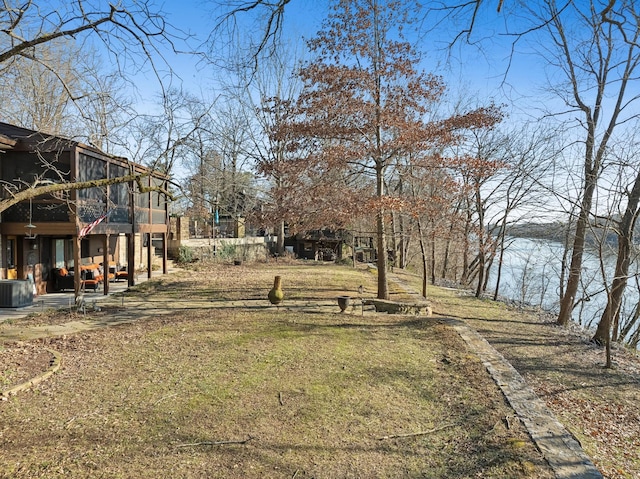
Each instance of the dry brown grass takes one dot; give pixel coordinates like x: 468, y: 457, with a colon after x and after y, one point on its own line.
x: 311, y: 393
x: 599, y: 406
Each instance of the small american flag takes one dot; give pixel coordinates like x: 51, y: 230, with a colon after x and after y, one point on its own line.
x: 87, y: 228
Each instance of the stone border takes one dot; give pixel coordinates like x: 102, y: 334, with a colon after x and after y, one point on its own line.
x: 561, y: 450
x: 399, y: 307
x: 56, y: 362
x: 559, y: 447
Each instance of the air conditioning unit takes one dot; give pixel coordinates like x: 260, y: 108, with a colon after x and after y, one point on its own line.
x: 15, y: 293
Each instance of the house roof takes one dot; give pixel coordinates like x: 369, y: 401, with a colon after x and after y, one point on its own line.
x: 27, y: 138
x: 6, y: 143
x: 15, y: 137
x: 13, y: 131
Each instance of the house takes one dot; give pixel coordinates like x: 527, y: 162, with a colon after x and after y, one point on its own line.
x: 40, y: 237
x: 325, y: 245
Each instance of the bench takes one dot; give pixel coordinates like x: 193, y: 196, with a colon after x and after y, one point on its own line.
x: 111, y: 270
x: 116, y: 273
x: 399, y: 307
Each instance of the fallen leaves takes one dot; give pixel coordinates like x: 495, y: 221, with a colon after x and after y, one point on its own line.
x: 22, y: 361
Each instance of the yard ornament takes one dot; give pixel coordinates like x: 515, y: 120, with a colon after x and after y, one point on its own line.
x: 276, y: 295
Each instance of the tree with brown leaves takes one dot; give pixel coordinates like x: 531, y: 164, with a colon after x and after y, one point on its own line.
x: 363, y: 107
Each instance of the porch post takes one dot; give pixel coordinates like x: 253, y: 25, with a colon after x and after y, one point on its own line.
x: 131, y: 258
x: 105, y: 264
x: 149, y: 255
x: 77, y: 273
x: 165, y: 266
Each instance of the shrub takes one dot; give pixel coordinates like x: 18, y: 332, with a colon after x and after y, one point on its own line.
x: 185, y: 255
x: 346, y: 261
x: 227, y: 251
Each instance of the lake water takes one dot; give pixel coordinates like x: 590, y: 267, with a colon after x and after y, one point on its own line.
x: 531, y: 275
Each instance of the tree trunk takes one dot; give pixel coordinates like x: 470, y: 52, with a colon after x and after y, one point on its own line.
x: 394, y: 240
x: 625, y: 240
x: 402, y: 256
x: 496, y: 293
x: 445, y: 258
x: 433, y: 257
x: 383, y: 285
x: 635, y: 339
x: 482, y: 242
x: 480, y: 274
x: 565, y: 254
x: 614, y: 300
x: 423, y: 251
x: 280, y: 241
x: 447, y: 248
x: 568, y: 300
x: 465, y: 252
x: 481, y: 262
x: 626, y: 330
x: 487, y: 273
x: 353, y: 249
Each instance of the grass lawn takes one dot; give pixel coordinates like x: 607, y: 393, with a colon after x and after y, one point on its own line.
x: 218, y: 389
x: 598, y: 406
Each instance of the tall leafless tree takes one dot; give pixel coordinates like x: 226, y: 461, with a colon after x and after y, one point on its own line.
x: 132, y: 32
x: 624, y: 227
x: 595, y: 48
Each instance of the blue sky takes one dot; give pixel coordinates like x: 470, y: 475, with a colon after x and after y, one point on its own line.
x: 478, y: 69
x: 482, y: 70
x: 487, y: 68
x: 198, y: 17
x: 474, y: 71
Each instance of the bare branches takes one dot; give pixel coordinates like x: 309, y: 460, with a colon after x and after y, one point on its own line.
x: 414, y: 434
x: 273, y: 25
x: 133, y: 33
x: 596, y: 50
x: 141, y: 187
x: 272, y: 14
x: 20, y: 44
x: 445, y: 13
x: 43, y: 188
x: 273, y: 21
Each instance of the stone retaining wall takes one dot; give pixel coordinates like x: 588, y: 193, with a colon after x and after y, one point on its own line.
x: 244, y: 249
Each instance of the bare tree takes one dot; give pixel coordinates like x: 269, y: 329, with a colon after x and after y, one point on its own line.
x: 227, y: 34
x: 431, y: 194
x: 274, y: 87
x: 132, y: 33
x: 624, y: 227
x: 107, y: 111
x: 36, y: 96
x: 520, y: 188
x: 596, y: 49
x: 477, y: 163
x: 161, y: 139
